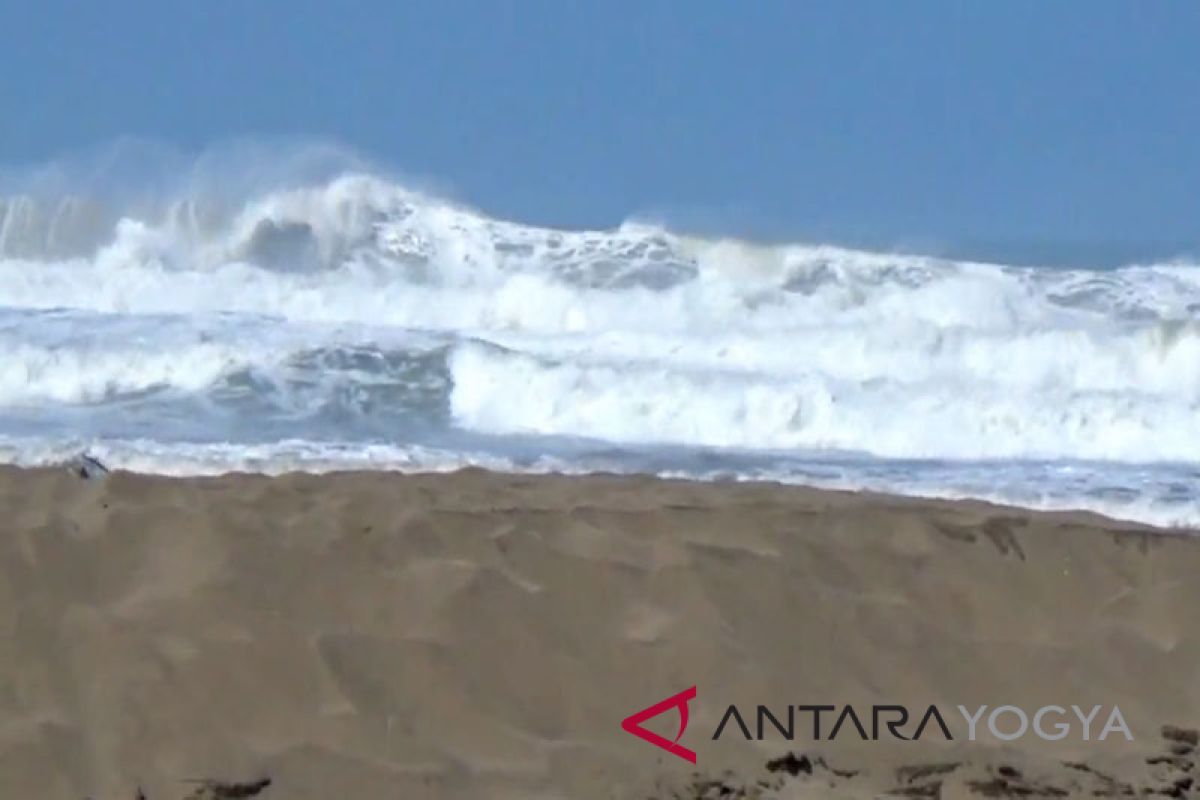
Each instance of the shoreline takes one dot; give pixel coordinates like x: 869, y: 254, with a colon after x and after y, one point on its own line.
x: 468, y: 634
x: 1085, y: 516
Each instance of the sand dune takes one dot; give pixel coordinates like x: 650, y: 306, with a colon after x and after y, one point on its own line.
x: 478, y: 635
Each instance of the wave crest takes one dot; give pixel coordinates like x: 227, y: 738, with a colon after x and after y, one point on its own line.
x: 351, y: 307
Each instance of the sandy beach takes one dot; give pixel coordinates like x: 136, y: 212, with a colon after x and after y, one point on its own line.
x: 471, y: 635
x: 569, y: 401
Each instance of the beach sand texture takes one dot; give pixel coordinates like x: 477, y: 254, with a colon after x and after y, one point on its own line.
x: 479, y: 635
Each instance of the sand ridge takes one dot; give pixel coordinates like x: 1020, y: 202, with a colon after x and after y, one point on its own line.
x: 473, y: 634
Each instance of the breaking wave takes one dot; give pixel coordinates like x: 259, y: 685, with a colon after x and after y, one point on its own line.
x: 355, y: 313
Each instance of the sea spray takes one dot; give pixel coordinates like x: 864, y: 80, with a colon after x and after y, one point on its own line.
x: 334, y: 310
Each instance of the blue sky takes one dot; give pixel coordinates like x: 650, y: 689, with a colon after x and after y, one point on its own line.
x: 938, y: 125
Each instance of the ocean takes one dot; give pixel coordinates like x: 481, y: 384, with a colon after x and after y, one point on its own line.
x: 354, y: 323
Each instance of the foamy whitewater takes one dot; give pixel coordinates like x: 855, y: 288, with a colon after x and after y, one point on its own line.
x: 353, y: 323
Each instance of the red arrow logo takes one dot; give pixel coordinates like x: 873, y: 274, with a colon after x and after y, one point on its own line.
x: 633, y: 724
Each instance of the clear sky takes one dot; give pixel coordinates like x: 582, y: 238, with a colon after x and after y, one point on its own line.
x: 948, y: 125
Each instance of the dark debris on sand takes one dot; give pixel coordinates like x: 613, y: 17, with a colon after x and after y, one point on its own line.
x: 1174, y: 773
x: 219, y: 790
x: 90, y: 468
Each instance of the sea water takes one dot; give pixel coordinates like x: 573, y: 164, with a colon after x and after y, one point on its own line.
x: 350, y: 322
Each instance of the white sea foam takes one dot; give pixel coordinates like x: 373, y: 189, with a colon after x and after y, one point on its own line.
x: 951, y: 417
x: 360, y: 314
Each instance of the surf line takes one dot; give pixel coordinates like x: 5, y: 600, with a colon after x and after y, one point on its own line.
x: 1005, y: 722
